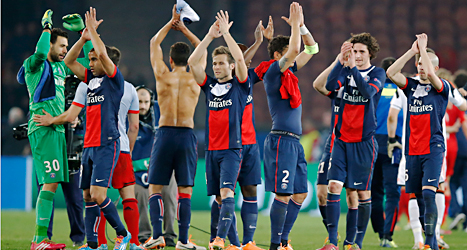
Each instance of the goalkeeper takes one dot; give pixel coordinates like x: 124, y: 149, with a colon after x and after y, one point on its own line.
x: 44, y: 75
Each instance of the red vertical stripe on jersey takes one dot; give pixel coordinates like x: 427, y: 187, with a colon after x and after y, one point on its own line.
x: 336, y: 120
x: 92, y: 137
x: 277, y: 163
x: 352, y: 123
x: 218, y: 129
x: 420, y: 134
x: 248, y: 130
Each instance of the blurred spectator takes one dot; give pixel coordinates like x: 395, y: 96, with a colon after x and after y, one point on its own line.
x: 11, y: 146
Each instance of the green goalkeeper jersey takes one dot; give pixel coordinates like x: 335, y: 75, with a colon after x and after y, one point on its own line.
x: 34, y: 67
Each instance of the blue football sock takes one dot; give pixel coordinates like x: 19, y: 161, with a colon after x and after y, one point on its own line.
x: 249, y: 213
x: 351, y: 226
x: 322, y: 210
x: 421, y: 209
x: 363, y: 217
x: 277, y: 216
x: 233, y: 234
x: 92, y: 220
x: 156, y: 212
x: 292, y: 212
x: 225, y: 217
x: 184, y: 216
x: 333, y: 211
x: 111, y: 215
x: 215, y: 210
x: 431, y: 217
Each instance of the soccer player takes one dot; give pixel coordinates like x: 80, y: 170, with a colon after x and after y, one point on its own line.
x: 226, y: 97
x: 101, y: 141
x: 284, y: 158
x: 44, y: 74
x: 386, y: 168
x: 123, y: 178
x: 250, y: 170
x: 354, y: 151
x: 322, y: 180
x: 426, y: 100
x: 175, y: 144
x: 148, y: 122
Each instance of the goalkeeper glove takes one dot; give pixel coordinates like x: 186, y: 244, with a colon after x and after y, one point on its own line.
x: 73, y: 22
x: 393, y: 143
x: 47, y: 19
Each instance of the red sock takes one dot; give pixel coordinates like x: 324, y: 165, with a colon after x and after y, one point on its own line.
x: 131, y: 216
x: 101, y: 231
x: 447, y: 201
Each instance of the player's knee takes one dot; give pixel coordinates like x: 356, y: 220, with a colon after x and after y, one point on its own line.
x: 283, y: 197
x: 155, y: 189
x: 364, y: 195
x: 185, y: 190
x: 335, y: 187
x: 52, y: 187
x: 227, y: 193
x: 249, y: 191
x: 299, y: 197
x: 127, y: 192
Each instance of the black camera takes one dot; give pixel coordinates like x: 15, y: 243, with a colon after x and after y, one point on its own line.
x: 20, y: 132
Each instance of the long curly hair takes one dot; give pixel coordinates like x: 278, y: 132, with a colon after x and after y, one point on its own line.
x: 367, y: 39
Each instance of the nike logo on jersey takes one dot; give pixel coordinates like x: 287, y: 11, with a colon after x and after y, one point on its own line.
x: 279, y: 233
x: 252, y: 227
x: 42, y: 218
x: 356, y: 184
x: 97, y: 180
x: 223, y: 218
x: 226, y: 183
x: 431, y: 180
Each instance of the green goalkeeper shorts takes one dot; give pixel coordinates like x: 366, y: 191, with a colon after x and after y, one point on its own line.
x: 49, y: 155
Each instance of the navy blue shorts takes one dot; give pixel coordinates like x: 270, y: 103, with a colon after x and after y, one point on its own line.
x: 285, y: 167
x: 423, y: 170
x: 353, y: 163
x: 222, y: 169
x: 174, y: 150
x: 250, y: 171
x: 323, y: 168
x: 98, y: 165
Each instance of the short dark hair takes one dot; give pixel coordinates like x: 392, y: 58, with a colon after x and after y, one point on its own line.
x: 460, y: 78
x: 113, y: 53
x: 368, y: 40
x: 180, y: 52
x: 222, y: 50
x: 56, y: 32
x: 278, y: 43
x: 428, y: 50
x: 387, y: 62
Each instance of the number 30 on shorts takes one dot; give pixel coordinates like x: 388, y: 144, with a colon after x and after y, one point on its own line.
x: 55, y: 165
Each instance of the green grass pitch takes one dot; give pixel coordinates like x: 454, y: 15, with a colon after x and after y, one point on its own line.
x: 308, y: 233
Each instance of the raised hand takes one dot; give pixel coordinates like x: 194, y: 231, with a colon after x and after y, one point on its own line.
x: 91, y: 21
x: 422, y: 41
x: 346, y: 48
x: 415, y: 48
x: 214, y: 31
x: 178, y: 25
x: 351, y: 60
x: 294, y: 15
x: 223, y: 21
x: 259, y: 32
x: 269, y: 31
x: 175, y: 15
x: 73, y: 22
x: 47, y: 19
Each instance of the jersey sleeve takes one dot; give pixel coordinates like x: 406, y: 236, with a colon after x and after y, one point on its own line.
x: 134, y: 106
x: 445, y: 89
x: 253, y: 76
x: 34, y: 62
x: 207, y: 81
x: 117, y: 78
x: 456, y: 97
x: 80, y: 95
x: 336, y: 78
x: 396, y: 101
x: 374, y: 84
x: 409, y: 84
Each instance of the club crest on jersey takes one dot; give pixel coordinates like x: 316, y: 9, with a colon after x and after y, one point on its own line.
x: 95, y: 83
x: 366, y: 78
x: 427, y: 88
x: 221, y: 89
x: 52, y: 175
